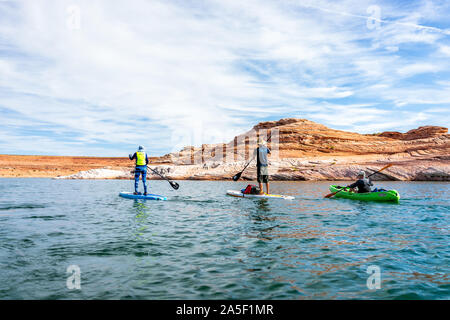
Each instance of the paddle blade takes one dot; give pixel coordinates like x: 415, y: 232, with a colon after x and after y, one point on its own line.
x: 237, y: 177
x: 330, y: 195
x: 174, y: 185
x: 388, y: 166
x: 384, y: 168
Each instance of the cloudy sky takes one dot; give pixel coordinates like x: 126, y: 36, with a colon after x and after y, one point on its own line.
x: 99, y: 77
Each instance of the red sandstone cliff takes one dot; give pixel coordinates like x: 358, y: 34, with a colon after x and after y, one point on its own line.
x: 305, y: 150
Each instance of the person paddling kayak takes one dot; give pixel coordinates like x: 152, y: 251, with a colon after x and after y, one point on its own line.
x: 262, y: 165
x: 141, y: 168
x: 363, y: 184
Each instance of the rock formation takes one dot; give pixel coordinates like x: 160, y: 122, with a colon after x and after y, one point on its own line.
x: 301, y: 150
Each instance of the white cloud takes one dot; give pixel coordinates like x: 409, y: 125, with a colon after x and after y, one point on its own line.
x: 150, y: 69
x: 444, y: 50
x: 418, y: 68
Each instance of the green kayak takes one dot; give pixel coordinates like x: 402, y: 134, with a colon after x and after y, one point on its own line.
x: 385, y: 196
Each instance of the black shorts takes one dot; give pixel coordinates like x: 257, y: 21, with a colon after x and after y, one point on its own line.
x: 262, y: 178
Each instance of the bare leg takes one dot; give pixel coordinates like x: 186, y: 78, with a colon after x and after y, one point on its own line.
x: 267, y: 187
x: 261, y: 190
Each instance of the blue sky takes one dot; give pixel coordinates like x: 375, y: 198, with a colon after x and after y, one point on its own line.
x: 101, y: 77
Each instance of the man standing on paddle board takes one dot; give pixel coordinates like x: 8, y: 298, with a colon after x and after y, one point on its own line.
x: 262, y: 164
x: 141, y: 168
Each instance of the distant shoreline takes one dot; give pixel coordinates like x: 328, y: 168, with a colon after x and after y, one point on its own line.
x: 186, y: 179
x: 424, y: 168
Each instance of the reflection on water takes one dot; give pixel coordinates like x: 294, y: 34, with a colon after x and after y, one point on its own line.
x: 263, y: 205
x: 140, y: 218
x: 201, y: 244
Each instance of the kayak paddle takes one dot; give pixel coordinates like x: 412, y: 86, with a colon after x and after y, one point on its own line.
x: 238, y: 175
x: 333, y: 193
x: 173, y: 184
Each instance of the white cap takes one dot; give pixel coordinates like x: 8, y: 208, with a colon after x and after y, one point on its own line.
x: 261, y: 142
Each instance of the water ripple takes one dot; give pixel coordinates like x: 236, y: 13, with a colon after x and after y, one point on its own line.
x: 201, y: 244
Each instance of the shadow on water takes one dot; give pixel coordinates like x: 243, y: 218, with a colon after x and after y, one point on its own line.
x: 263, y: 218
x: 261, y: 211
x: 263, y: 205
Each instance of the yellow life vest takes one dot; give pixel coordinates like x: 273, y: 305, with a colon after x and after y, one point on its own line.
x: 140, y: 158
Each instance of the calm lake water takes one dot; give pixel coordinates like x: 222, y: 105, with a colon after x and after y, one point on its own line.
x: 202, y: 244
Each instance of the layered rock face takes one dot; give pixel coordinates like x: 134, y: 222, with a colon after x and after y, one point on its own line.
x: 305, y: 150
x: 419, y: 133
x: 300, y: 138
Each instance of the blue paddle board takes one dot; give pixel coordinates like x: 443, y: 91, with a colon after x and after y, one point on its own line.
x: 130, y: 195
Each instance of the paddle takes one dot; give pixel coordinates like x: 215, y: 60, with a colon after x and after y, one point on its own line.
x: 238, y: 175
x: 333, y: 193
x: 173, y: 184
